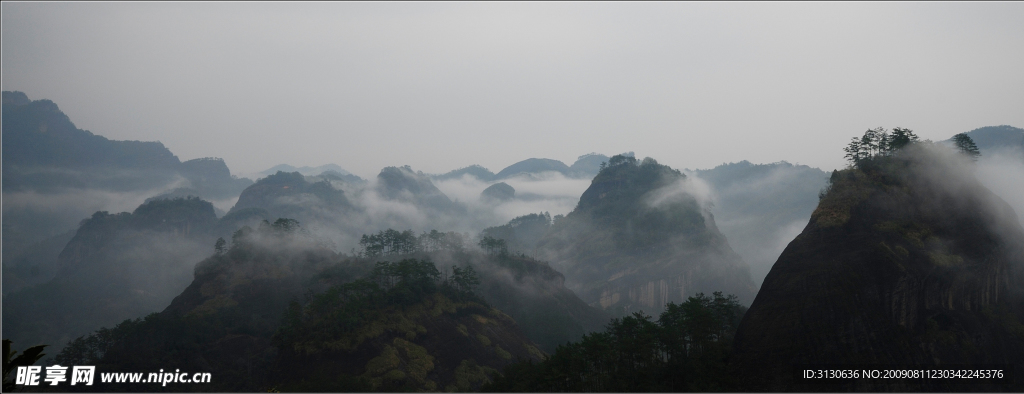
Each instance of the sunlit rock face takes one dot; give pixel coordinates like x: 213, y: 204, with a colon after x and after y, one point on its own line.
x: 907, y: 261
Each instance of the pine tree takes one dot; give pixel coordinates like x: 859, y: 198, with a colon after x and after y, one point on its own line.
x: 966, y: 145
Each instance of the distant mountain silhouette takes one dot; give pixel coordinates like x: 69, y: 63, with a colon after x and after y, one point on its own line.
x: 588, y: 165
x: 305, y: 170
x: 45, y: 155
x: 992, y: 139
x: 476, y: 171
x: 403, y: 184
x: 532, y: 166
x: 290, y: 195
x: 497, y: 192
x: 637, y: 240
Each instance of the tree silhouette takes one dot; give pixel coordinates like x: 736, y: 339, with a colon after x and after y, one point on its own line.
x: 219, y: 245
x: 878, y: 142
x: 966, y: 145
x: 26, y: 358
x: 901, y: 138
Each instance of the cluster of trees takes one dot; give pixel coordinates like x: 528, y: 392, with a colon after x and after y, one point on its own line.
x: 281, y: 236
x: 393, y: 242
x: 280, y: 227
x: 621, y: 159
x: 418, y: 277
x: 878, y: 142
x: 617, y: 160
x: 686, y: 349
x: 493, y: 246
x: 327, y: 317
x: 966, y: 145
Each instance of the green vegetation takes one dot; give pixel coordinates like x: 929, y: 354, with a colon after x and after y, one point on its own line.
x: 523, y: 287
x: 404, y: 326
x: 393, y: 242
x: 229, y: 312
x: 686, y: 349
x: 332, y: 320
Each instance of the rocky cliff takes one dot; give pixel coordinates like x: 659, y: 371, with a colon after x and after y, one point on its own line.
x: 907, y: 261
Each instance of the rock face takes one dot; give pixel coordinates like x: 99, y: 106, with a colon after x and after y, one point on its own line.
x: 907, y: 261
x: 639, y: 239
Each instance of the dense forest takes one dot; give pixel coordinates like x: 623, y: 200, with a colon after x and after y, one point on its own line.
x: 686, y: 349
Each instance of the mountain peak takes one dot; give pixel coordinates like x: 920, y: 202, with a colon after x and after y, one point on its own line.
x: 902, y: 250
x: 532, y: 166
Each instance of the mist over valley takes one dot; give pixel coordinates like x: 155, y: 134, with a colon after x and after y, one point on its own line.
x: 558, y: 249
x: 512, y: 197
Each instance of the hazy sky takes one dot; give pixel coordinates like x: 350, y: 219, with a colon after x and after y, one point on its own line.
x: 440, y: 86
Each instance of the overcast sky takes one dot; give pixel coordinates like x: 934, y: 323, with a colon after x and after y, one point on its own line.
x: 440, y: 86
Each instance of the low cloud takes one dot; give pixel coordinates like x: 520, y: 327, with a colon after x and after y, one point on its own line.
x: 682, y: 189
x: 1003, y: 174
x: 544, y: 192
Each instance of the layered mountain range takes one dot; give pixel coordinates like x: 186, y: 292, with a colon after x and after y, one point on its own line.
x: 55, y: 175
x: 313, y: 279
